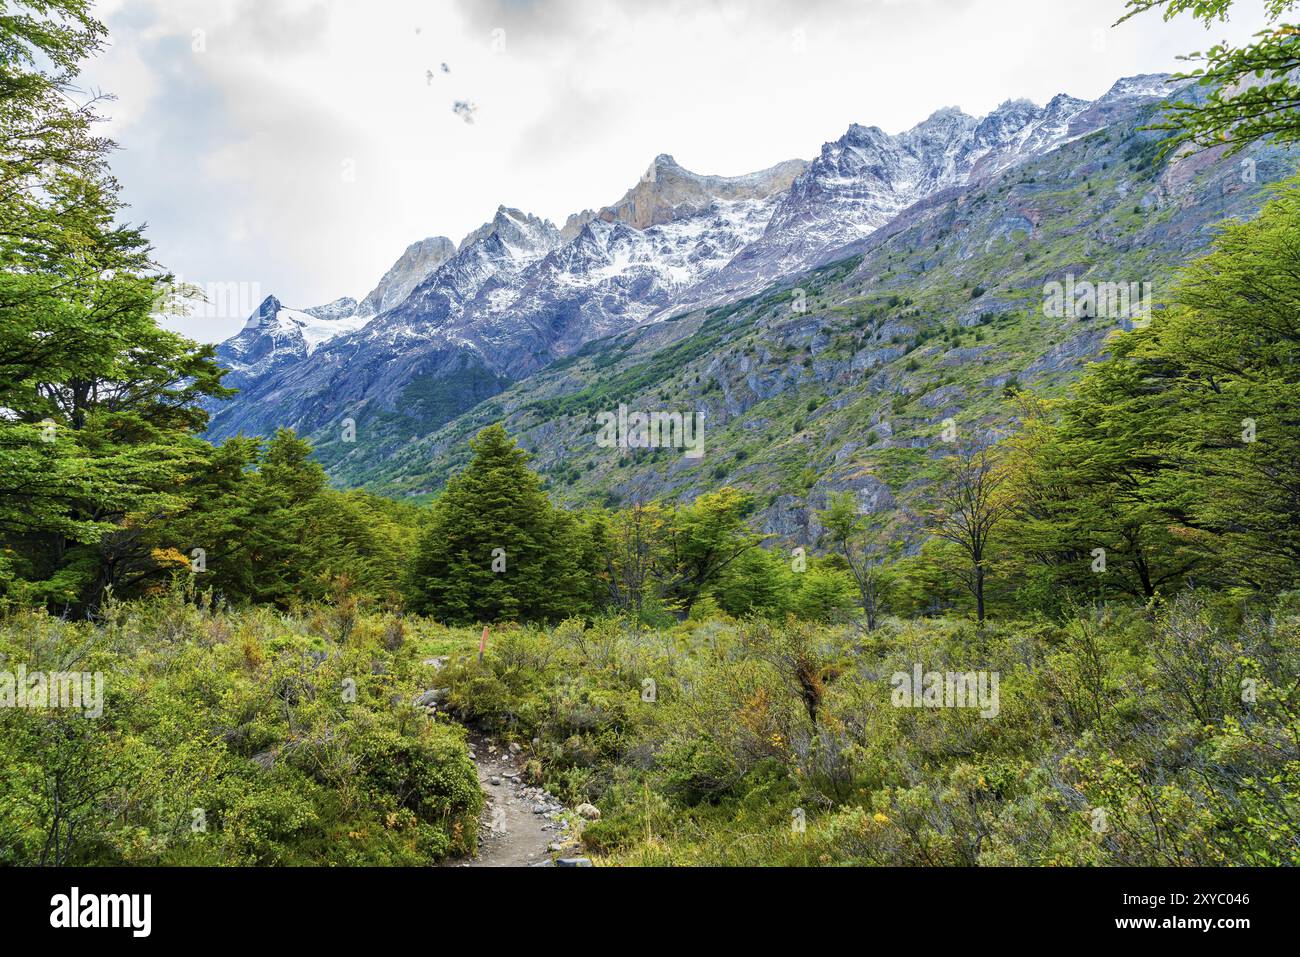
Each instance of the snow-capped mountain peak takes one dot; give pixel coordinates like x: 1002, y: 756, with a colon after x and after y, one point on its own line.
x: 264, y: 316
x: 517, y: 293
x: 867, y: 177
x: 274, y: 337
x: 338, y: 309
x: 1151, y: 85
x: 515, y: 230
x: 669, y: 192
x: 313, y: 327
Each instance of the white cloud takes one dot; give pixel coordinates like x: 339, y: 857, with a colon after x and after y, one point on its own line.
x: 239, y: 156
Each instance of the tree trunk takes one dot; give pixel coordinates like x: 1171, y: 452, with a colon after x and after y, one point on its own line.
x: 810, y: 689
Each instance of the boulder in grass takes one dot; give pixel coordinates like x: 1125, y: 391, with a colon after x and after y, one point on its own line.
x: 431, y: 699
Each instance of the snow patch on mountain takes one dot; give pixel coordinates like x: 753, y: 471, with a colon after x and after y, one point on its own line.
x: 316, y: 332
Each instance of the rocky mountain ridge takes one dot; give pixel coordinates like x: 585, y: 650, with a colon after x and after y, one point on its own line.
x: 519, y: 294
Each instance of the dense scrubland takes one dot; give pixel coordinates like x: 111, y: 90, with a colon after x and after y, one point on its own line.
x: 232, y: 738
x: 1162, y: 735
x: 780, y: 743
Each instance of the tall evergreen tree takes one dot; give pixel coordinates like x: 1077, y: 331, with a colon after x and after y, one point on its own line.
x: 496, y: 549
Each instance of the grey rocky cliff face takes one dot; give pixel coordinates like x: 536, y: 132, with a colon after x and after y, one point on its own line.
x: 415, y: 265
x: 667, y: 192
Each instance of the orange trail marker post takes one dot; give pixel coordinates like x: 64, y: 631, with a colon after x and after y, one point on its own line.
x: 482, y: 643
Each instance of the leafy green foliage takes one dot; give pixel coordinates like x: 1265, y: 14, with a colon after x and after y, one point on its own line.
x: 733, y: 691
x: 231, y: 739
x: 1253, y: 91
x: 852, y: 539
x: 99, y: 403
x: 495, y: 547
x: 1176, y: 458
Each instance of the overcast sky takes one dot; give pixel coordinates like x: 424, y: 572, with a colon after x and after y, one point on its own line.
x: 298, y: 146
